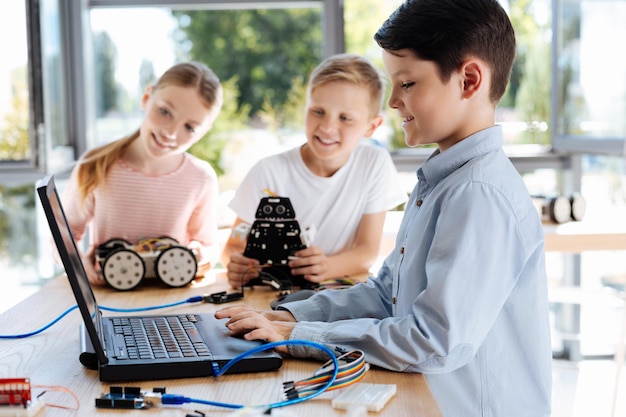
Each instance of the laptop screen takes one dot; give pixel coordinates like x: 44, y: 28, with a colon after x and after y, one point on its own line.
x: 72, y: 263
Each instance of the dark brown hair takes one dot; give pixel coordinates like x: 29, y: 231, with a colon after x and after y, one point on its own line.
x: 447, y: 32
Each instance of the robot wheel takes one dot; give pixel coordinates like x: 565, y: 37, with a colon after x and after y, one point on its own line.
x: 176, y: 266
x: 123, y: 269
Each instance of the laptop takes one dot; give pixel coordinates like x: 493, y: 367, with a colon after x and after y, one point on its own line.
x: 108, y: 345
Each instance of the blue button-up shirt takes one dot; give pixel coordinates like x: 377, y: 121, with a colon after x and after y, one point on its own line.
x: 463, y: 296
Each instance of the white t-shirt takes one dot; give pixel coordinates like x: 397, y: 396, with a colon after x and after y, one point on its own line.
x: 368, y: 183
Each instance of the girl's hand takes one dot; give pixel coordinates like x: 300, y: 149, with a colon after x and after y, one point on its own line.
x: 92, y: 268
x: 204, y: 257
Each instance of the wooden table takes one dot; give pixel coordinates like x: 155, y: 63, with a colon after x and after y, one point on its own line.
x: 51, y: 358
x: 604, y: 231
x: 598, y: 233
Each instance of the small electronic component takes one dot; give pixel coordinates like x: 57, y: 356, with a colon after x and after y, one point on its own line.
x: 372, y: 396
x: 127, y: 398
x: 15, y: 391
x: 16, y: 398
x: 224, y: 297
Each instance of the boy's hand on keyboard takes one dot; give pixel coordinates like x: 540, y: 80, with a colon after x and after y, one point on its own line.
x: 269, y: 326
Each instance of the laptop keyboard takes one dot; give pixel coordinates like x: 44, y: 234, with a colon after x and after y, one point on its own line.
x: 159, y: 337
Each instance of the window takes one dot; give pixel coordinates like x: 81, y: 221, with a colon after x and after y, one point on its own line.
x: 68, y: 82
x: 262, y: 55
x: 588, y: 107
x: 55, y: 132
x: 590, y: 73
x: 524, y: 111
x: 250, y: 50
x: 125, y: 61
x: 14, y: 90
x: 33, y: 76
x: 18, y: 245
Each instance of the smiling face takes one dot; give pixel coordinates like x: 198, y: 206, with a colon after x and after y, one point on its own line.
x: 432, y: 111
x: 338, y: 116
x: 175, y: 118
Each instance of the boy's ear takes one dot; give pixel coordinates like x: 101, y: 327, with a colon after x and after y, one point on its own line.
x: 473, y: 72
x: 374, y: 124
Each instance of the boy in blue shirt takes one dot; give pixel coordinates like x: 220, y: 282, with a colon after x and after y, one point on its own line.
x: 463, y: 296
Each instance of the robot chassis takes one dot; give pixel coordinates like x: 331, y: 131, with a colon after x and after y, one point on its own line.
x: 124, y: 265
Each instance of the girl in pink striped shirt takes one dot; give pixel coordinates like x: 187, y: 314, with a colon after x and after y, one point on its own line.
x: 147, y: 184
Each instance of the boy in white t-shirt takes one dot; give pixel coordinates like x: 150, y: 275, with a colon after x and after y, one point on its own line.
x: 337, y: 184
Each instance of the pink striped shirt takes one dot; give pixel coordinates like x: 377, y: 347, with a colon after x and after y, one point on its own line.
x: 132, y: 205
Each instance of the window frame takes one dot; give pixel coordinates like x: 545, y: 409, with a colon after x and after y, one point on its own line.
x: 19, y: 171
x: 332, y: 30
x: 46, y: 158
x: 332, y: 18
x: 75, y: 38
x: 566, y: 143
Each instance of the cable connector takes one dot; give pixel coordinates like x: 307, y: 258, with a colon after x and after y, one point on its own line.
x: 341, y: 350
x: 174, y: 399
x: 153, y: 398
x: 291, y: 394
x: 196, y: 299
x: 216, y: 368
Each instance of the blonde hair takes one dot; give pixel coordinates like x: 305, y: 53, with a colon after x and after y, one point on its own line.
x: 95, y: 164
x: 353, y: 69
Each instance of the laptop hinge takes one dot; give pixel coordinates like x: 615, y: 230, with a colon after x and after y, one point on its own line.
x: 87, y: 355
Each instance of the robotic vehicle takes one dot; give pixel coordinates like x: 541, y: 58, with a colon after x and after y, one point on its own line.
x: 124, y: 265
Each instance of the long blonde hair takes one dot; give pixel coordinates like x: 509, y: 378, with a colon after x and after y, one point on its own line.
x: 95, y: 164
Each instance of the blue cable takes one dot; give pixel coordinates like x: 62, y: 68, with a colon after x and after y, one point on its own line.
x: 196, y: 299
x: 117, y: 310
x: 179, y: 399
x: 53, y: 322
